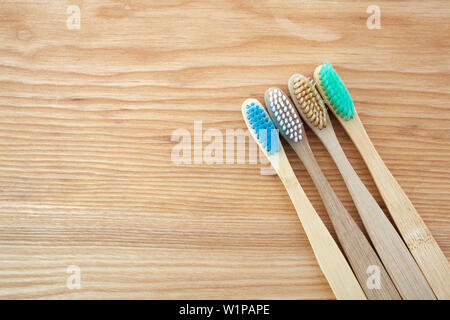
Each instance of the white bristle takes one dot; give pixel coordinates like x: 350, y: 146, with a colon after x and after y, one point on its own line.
x: 286, y: 115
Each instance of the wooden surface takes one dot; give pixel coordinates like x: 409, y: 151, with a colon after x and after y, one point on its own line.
x: 86, y: 118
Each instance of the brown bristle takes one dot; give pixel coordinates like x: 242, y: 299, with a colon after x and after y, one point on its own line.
x: 310, y: 102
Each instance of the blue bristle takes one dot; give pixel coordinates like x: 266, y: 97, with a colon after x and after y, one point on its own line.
x: 265, y: 130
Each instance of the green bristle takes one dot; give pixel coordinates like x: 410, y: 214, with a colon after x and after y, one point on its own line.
x: 336, y: 92
x: 265, y: 130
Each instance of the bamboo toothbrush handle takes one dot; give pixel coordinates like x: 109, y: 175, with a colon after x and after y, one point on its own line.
x: 398, y: 261
x: 359, y: 252
x: 416, y: 234
x: 331, y: 260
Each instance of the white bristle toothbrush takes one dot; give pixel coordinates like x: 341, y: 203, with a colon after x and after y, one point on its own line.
x: 390, y: 247
x: 359, y: 252
x: 331, y: 260
x: 416, y: 234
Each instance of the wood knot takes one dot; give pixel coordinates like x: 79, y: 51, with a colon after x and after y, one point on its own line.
x: 24, y: 34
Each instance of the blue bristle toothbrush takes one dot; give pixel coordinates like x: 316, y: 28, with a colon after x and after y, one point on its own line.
x: 331, y: 260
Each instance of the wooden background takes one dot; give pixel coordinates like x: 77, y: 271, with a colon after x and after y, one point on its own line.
x: 86, y: 118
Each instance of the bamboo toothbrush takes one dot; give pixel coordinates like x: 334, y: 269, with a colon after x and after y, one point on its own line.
x: 396, y: 258
x: 416, y: 234
x: 358, y: 250
x: 331, y: 261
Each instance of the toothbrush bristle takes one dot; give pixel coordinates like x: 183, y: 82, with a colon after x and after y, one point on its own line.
x: 336, y: 92
x: 310, y: 102
x: 284, y: 114
x: 264, y: 128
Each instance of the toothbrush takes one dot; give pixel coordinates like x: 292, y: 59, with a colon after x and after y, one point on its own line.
x: 416, y: 234
x: 358, y: 250
x: 391, y: 249
x: 331, y: 261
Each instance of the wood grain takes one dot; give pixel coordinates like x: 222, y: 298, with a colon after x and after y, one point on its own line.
x: 86, y: 118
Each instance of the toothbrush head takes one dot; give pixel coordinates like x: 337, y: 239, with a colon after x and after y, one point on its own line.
x: 308, y: 100
x: 334, y: 91
x: 261, y: 127
x: 284, y: 114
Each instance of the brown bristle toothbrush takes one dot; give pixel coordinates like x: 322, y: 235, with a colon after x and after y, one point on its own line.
x: 359, y: 252
x: 398, y: 261
x: 416, y: 234
x: 330, y: 258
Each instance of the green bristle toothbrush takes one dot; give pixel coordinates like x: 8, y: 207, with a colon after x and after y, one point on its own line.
x: 359, y: 252
x: 331, y: 261
x: 416, y: 234
x: 395, y: 256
